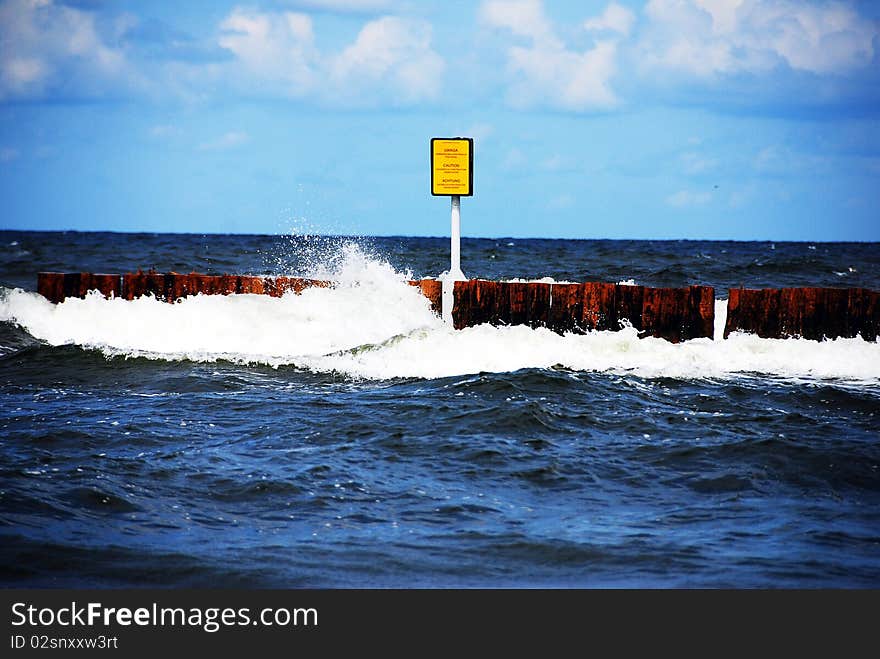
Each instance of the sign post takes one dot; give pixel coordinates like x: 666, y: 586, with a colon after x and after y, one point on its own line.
x: 452, y: 174
x: 455, y: 246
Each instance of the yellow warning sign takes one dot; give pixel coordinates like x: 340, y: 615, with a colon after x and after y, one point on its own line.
x: 452, y: 166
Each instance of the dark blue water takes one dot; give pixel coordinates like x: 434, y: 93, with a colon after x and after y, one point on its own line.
x: 616, y: 462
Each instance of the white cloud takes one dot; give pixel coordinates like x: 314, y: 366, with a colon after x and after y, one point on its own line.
x: 546, y: 71
x: 688, y: 199
x: 524, y: 18
x: 276, y: 47
x: 393, y: 55
x: 566, y: 79
x: 226, y: 141
x: 21, y: 72
x: 706, y: 38
x: 8, y: 155
x: 61, y: 49
x: 615, y: 18
x: 44, y: 46
x: 391, y: 59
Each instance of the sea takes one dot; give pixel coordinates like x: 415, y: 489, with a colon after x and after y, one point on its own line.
x: 348, y: 438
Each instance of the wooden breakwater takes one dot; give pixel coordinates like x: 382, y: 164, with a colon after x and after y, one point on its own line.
x: 811, y: 313
x: 674, y: 314
x: 56, y: 286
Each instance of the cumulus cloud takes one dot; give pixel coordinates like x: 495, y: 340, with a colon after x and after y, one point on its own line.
x: 545, y: 71
x: 60, y: 49
x: 524, y: 18
x: 276, y: 47
x: 615, y: 18
x: 47, y: 48
x: 51, y: 49
x: 391, y: 59
x: 708, y: 38
x: 393, y: 54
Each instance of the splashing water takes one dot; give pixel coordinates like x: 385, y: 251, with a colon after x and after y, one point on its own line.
x: 372, y: 324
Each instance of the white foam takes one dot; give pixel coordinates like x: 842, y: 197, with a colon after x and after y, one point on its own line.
x: 444, y: 352
x: 370, y: 303
x: 373, y: 325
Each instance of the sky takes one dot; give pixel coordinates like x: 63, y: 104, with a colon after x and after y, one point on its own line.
x: 655, y: 119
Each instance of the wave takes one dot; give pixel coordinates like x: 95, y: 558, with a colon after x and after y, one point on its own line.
x: 373, y: 325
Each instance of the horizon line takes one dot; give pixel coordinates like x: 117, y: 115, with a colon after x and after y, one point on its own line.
x: 403, y: 236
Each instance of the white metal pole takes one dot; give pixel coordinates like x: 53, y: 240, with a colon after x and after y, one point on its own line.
x: 455, y: 274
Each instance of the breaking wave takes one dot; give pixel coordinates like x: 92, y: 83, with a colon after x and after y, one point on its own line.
x: 373, y: 325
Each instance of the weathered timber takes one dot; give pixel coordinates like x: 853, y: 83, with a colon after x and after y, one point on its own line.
x: 57, y: 286
x: 674, y: 314
x: 678, y: 314
x: 477, y: 301
x: 811, y: 313
x: 433, y: 290
x: 172, y: 286
x: 51, y: 286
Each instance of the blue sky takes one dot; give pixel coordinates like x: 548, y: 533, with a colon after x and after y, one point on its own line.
x: 741, y: 119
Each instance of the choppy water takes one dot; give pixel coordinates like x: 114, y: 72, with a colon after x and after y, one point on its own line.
x: 346, y: 437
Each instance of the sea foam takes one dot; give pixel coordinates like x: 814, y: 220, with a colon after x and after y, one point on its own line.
x: 372, y: 324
